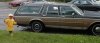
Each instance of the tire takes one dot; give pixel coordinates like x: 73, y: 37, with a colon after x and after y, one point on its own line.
x: 37, y: 26
x: 95, y: 29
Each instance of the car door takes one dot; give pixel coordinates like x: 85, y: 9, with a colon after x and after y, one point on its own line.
x: 51, y: 15
x: 70, y: 17
x: 67, y: 16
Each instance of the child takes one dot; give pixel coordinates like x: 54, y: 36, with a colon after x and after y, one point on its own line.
x: 10, y: 23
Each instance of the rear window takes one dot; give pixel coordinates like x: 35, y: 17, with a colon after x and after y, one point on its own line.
x: 29, y: 10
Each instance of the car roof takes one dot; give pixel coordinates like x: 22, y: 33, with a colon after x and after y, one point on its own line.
x: 48, y: 3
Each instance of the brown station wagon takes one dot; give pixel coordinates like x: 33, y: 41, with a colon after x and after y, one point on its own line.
x: 61, y: 15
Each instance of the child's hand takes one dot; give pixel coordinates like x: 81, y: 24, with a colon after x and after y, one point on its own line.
x: 5, y: 21
x: 15, y: 23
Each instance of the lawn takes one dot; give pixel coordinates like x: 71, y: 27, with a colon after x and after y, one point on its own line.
x: 31, y: 37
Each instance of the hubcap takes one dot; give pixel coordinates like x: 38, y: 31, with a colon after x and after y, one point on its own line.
x: 36, y: 26
x: 97, y: 29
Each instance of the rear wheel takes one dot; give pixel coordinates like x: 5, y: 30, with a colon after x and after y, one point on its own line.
x: 37, y: 26
x: 95, y: 29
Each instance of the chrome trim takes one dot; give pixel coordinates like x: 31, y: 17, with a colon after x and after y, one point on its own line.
x: 67, y: 27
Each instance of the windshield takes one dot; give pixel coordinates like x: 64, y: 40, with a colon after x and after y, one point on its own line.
x: 77, y: 10
x: 29, y: 10
x: 82, y: 1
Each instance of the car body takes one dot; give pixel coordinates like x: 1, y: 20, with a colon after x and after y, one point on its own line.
x: 52, y: 14
x: 90, y: 5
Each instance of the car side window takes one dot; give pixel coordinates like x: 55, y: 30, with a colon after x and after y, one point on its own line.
x: 84, y: 2
x: 66, y: 10
x: 52, y: 11
x: 29, y: 10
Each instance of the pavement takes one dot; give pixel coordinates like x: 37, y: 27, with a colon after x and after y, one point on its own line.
x: 4, y: 5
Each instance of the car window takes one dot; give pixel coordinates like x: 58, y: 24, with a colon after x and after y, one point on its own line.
x: 52, y: 11
x: 84, y: 2
x: 66, y: 10
x: 29, y: 10
x: 77, y: 10
x: 76, y: 2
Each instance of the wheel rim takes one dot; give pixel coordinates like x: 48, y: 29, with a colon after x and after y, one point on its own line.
x: 37, y: 27
x: 97, y: 30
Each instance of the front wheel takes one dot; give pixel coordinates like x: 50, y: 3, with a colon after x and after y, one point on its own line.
x: 37, y: 26
x: 95, y: 30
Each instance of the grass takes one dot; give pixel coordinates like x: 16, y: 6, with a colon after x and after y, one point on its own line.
x: 5, y: 0
x: 31, y: 37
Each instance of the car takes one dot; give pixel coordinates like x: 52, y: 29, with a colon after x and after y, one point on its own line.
x: 33, y: 1
x: 37, y: 16
x: 90, y: 5
x: 16, y: 3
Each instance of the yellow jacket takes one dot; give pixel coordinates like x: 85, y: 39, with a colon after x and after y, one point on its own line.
x: 10, y: 24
